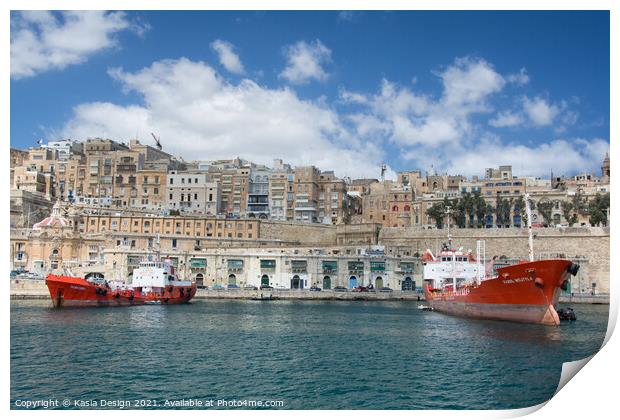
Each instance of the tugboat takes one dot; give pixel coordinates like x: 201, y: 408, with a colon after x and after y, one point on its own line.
x: 154, y: 282
x: 456, y: 283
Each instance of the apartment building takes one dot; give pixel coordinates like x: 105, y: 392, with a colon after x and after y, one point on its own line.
x: 306, y: 191
x: 192, y: 193
x: 281, y: 191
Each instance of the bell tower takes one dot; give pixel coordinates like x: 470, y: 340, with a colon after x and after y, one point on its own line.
x: 605, y: 168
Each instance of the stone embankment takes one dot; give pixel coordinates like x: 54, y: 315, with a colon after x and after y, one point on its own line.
x: 36, y: 289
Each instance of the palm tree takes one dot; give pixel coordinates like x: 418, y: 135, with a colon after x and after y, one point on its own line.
x: 488, y: 211
x: 519, y: 206
x: 545, y: 208
x: 480, y: 207
x: 469, y: 208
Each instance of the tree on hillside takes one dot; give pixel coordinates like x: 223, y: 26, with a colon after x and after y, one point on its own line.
x: 503, y: 207
x: 519, y: 208
x: 488, y: 211
x: 545, y: 208
x: 437, y: 212
x: 598, y: 209
x: 480, y: 207
x: 469, y: 208
x: 568, y: 212
x: 460, y: 213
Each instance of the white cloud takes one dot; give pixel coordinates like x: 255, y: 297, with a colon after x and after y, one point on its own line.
x: 199, y: 115
x: 42, y: 40
x: 563, y: 156
x: 305, y: 62
x: 468, y: 82
x: 227, y: 56
x: 520, y: 78
x: 411, y: 119
x: 352, y: 97
x: 539, y: 111
x: 506, y: 119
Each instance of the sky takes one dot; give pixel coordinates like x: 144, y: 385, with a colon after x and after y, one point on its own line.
x: 345, y: 91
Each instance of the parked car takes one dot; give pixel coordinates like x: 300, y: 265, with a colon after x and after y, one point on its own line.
x: 248, y: 287
x: 218, y: 287
x: 266, y: 287
x: 315, y: 289
x: 232, y: 286
x: 360, y: 289
x: 385, y: 289
x: 340, y: 289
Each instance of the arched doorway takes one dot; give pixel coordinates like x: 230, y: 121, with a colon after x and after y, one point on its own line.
x: 378, y: 282
x: 327, y: 282
x: 407, y: 284
x: 200, y: 280
x: 232, y: 279
x: 264, y: 281
x: 352, y: 282
x: 296, y: 282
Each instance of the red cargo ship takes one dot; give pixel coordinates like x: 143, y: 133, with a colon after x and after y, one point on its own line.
x: 458, y: 284
x: 154, y: 282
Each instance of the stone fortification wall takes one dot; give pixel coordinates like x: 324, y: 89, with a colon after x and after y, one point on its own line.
x: 303, y: 233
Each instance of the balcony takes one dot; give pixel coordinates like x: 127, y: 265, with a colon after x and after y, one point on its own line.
x: 125, y: 168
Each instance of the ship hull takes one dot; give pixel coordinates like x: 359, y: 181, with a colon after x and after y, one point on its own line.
x: 526, y: 292
x: 68, y: 291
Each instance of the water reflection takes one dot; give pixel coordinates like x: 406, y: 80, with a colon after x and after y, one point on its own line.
x: 310, y: 354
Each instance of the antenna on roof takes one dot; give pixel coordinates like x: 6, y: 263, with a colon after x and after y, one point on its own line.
x: 157, y: 141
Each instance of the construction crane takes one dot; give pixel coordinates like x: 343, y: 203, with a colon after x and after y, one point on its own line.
x: 157, y: 141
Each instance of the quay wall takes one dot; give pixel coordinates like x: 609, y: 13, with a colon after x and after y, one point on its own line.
x: 36, y: 289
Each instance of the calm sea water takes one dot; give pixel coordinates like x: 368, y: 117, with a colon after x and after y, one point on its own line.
x: 310, y: 355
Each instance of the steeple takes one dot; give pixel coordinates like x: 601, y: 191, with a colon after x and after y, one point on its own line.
x: 605, y: 169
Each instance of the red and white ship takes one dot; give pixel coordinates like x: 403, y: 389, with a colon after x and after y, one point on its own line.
x: 154, y: 282
x: 458, y: 284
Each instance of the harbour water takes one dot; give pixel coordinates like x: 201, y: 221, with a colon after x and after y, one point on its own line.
x: 307, y: 354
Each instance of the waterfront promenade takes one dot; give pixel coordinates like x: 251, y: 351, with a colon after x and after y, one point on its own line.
x: 36, y: 289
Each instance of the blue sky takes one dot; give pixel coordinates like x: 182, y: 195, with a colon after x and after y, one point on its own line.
x: 343, y: 90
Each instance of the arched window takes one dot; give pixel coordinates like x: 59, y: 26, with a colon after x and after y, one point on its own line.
x: 407, y: 208
x: 394, y: 208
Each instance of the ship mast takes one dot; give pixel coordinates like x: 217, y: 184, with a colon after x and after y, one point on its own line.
x: 528, y: 213
x: 449, y: 212
x: 157, y: 254
x: 452, y: 253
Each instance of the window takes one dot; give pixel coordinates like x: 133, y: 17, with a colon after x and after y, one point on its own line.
x: 174, y: 243
x: 171, y: 181
x: 170, y: 196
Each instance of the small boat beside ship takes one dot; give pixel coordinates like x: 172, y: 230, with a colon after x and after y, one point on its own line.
x: 457, y: 283
x: 153, y: 282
